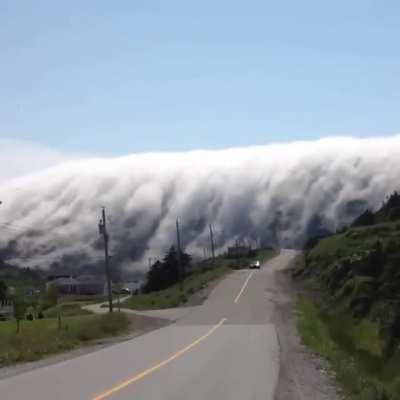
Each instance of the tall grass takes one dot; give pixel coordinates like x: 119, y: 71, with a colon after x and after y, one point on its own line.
x: 354, y: 351
x: 42, y: 337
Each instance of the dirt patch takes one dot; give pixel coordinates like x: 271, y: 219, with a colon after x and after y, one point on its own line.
x: 303, y: 375
x: 140, y: 325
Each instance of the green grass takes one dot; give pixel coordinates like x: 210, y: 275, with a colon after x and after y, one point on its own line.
x: 67, y: 310
x: 39, y: 338
x: 200, y: 278
x: 354, y: 350
x: 352, y: 241
x: 357, y: 326
x: 173, y: 296
x: 82, y: 299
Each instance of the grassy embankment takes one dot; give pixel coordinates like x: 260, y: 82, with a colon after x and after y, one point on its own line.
x: 71, y: 305
x: 197, y: 280
x: 40, y: 338
x: 354, y: 321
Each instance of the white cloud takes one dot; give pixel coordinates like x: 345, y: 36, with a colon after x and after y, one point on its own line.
x: 19, y: 157
x: 277, y: 193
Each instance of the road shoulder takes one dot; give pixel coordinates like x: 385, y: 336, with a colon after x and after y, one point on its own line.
x: 303, y: 375
x: 140, y: 326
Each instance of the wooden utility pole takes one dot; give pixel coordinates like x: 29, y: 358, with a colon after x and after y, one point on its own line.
x: 180, y: 264
x: 212, y: 244
x: 103, y: 231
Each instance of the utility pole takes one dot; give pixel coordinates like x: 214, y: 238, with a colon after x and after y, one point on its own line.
x: 212, y: 244
x: 180, y: 265
x: 119, y: 287
x: 103, y: 231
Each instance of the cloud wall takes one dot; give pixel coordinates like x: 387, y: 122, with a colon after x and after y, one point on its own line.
x: 275, y: 194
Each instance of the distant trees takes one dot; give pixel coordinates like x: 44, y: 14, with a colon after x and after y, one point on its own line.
x: 390, y: 211
x: 165, y: 273
x: 366, y: 218
x: 3, y: 292
x: 393, y: 201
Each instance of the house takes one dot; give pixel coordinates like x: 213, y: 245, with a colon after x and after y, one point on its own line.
x: 79, y: 285
x: 239, y: 251
x: 90, y: 284
x: 6, y: 310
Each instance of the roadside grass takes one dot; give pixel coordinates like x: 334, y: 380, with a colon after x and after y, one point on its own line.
x: 173, y: 296
x: 39, y: 338
x: 66, y: 309
x: 202, y: 275
x: 353, y: 349
x: 82, y: 299
x: 354, y: 240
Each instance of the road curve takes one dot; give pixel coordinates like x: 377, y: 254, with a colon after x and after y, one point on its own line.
x: 226, y: 348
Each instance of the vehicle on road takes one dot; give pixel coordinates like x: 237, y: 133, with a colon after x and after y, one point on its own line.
x: 122, y: 291
x: 255, y: 265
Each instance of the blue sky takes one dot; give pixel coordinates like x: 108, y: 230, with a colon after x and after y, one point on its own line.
x: 127, y: 76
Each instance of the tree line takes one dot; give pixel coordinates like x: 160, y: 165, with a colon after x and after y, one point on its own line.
x: 168, y: 271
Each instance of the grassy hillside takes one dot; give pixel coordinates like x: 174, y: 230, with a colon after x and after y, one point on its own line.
x: 173, y: 296
x: 356, y: 321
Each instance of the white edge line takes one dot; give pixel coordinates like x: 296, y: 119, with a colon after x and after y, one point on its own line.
x: 243, y: 287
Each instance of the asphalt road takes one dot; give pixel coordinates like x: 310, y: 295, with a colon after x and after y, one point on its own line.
x: 224, y: 349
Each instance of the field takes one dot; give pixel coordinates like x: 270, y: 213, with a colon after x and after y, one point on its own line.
x: 39, y: 338
x: 66, y: 309
x: 82, y: 299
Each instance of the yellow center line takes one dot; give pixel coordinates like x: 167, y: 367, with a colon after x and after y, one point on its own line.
x: 143, y: 374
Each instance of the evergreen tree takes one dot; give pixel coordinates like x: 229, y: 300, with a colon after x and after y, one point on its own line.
x: 3, y: 291
x: 366, y: 218
x: 167, y: 272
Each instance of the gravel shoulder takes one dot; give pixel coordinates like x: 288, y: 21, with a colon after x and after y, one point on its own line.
x: 303, y: 375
